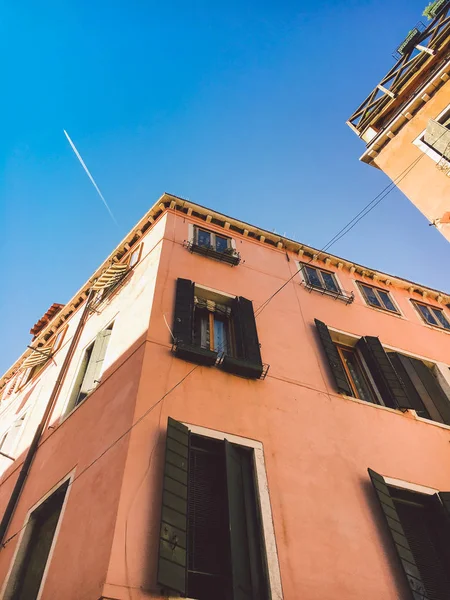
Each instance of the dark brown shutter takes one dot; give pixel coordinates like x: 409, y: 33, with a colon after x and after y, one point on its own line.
x: 445, y: 499
x: 246, y: 336
x: 385, y: 376
x: 432, y: 388
x: 398, y: 536
x: 334, y: 360
x: 172, y: 543
x: 184, y: 311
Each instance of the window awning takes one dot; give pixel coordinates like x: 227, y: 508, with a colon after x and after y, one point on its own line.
x: 438, y: 137
x: 110, y: 277
x: 37, y: 357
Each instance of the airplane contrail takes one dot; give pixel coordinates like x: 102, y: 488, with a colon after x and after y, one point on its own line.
x: 89, y: 175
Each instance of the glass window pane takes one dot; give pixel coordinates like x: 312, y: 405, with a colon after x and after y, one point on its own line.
x: 329, y: 281
x: 221, y: 243
x: 201, y: 328
x: 386, y: 299
x: 313, y: 277
x: 426, y: 314
x: 220, y: 335
x: 371, y: 296
x: 442, y: 319
x: 354, y: 368
x: 203, y: 238
x: 134, y: 258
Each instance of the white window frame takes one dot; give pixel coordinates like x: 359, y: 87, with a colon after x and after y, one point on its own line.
x: 26, y: 531
x: 414, y: 303
x: 273, y: 565
x: 425, y: 148
x: 304, y: 277
x: 359, y: 283
x: 193, y: 235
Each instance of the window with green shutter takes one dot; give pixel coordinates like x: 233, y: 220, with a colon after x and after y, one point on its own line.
x: 211, y: 541
x: 419, y: 526
x: 210, y: 329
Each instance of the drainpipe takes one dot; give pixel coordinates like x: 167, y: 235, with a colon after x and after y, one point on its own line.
x: 15, y: 496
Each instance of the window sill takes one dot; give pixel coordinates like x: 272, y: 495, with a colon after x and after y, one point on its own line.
x: 232, y: 258
x: 434, y: 327
x: 195, y: 354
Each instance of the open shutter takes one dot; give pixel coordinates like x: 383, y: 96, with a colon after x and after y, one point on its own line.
x: 172, y: 543
x: 432, y: 388
x: 398, y: 536
x: 94, y: 367
x: 334, y: 360
x: 247, y: 355
x: 239, y: 542
x: 403, y: 369
x: 388, y: 382
x: 184, y: 311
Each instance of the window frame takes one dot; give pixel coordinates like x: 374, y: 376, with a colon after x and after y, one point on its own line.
x: 57, y: 343
x: 377, y: 289
x: 263, y: 497
x: 424, y: 147
x: 320, y: 271
x: 213, y: 235
x: 130, y: 253
x: 364, y: 370
x: 431, y: 308
x: 22, y: 543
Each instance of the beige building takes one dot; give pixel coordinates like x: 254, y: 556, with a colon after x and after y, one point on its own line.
x: 405, y: 120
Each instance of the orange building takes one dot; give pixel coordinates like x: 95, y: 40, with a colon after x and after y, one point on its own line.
x: 405, y: 120
x: 221, y: 413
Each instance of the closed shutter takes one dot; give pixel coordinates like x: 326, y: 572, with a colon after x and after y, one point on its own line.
x: 239, y: 542
x: 388, y: 382
x: 398, y: 536
x: 432, y: 388
x: 445, y: 499
x: 184, y: 312
x: 172, y: 543
x: 334, y: 360
x: 94, y: 367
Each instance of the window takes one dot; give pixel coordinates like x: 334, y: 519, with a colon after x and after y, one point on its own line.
x: 435, y: 140
x: 317, y: 278
x: 432, y: 315
x: 377, y: 297
x: 356, y: 374
x: 134, y: 257
x: 214, y: 245
x: 34, y: 551
x: 369, y: 372
x: 210, y: 328
x: 419, y: 526
x: 211, y: 543
x: 90, y: 371
x: 10, y: 439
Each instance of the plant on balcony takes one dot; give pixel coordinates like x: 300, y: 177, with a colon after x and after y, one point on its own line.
x: 433, y: 8
x: 409, y: 41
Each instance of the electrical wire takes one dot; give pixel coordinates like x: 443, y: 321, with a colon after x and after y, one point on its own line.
x: 126, y: 432
x: 349, y: 226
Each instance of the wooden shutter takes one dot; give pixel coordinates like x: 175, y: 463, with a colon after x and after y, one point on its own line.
x: 184, y: 311
x: 172, y: 543
x: 246, y: 336
x: 398, y: 536
x: 239, y: 542
x: 95, y: 364
x: 432, y: 388
x: 402, y: 368
x: 334, y: 360
x: 388, y: 382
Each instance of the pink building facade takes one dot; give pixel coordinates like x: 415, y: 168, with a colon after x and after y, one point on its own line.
x: 234, y: 415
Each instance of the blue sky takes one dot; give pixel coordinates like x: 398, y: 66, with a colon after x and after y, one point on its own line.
x: 240, y: 106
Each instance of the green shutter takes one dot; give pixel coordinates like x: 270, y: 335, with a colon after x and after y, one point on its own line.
x: 334, y: 360
x: 239, y: 543
x: 247, y: 360
x: 172, y: 544
x: 398, y: 536
x: 403, y: 369
x: 385, y: 376
x: 432, y: 388
x: 184, y: 312
x: 94, y: 367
